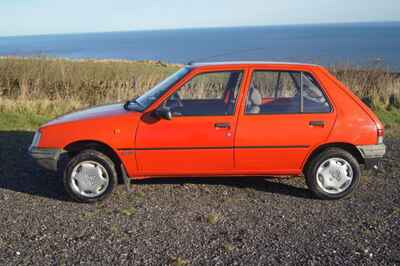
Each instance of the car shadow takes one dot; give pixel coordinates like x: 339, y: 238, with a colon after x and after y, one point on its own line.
x: 268, y: 184
x: 19, y: 173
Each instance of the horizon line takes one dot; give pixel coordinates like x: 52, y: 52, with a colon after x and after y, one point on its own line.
x: 203, y: 27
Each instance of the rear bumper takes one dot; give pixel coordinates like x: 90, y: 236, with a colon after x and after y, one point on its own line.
x: 372, y: 155
x: 46, y: 158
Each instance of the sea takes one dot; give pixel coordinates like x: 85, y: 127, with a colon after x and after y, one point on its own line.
x: 359, y: 44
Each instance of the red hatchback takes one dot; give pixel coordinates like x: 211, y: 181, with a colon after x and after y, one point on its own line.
x: 219, y: 119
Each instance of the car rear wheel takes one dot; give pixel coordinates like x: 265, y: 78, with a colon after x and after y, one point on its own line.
x: 333, y: 174
x: 90, y: 176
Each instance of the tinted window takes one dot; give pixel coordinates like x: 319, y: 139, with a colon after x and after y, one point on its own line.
x: 279, y: 92
x: 207, y: 94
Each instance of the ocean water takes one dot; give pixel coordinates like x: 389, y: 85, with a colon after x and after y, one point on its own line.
x: 359, y: 44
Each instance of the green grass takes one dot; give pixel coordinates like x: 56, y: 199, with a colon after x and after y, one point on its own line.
x: 21, y: 121
x: 390, y: 117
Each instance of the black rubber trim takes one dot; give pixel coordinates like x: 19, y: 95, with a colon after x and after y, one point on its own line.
x: 175, y: 148
x: 271, y: 147
x: 215, y: 148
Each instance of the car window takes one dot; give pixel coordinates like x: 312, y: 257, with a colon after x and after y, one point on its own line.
x: 213, y: 93
x: 279, y: 92
x: 274, y: 92
x: 152, y: 95
x: 314, y: 101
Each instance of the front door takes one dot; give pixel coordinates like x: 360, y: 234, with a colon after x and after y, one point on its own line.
x: 199, y: 138
x: 286, y: 115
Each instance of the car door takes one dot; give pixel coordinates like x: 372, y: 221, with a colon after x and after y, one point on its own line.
x: 286, y: 115
x: 200, y: 136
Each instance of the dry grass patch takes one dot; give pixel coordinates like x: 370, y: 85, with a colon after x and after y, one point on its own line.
x: 213, y: 218
x: 51, y: 87
x: 128, y: 211
x: 178, y: 261
x: 229, y: 247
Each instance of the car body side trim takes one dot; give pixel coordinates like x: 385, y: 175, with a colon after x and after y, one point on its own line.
x: 216, y: 148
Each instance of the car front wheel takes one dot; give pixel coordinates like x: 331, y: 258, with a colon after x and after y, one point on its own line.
x: 90, y: 176
x: 333, y: 174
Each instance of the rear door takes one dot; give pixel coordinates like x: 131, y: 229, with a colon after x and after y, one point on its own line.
x: 286, y: 114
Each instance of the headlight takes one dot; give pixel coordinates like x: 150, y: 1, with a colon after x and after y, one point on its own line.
x: 36, y: 138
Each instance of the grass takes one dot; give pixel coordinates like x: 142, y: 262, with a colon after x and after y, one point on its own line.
x: 34, y: 90
x: 376, y: 86
x: 389, y: 117
x: 229, y: 247
x: 21, y: 121
x: 213, y: 218
x: 178, y: 261
x: 128, y: 211
x: 55, y: 86
x: 140, y: 194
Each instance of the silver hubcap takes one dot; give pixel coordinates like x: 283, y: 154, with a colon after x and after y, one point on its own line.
x: 89, y: 179
x: 334, y: 175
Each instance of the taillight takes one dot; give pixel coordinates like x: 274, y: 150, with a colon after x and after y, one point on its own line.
x: 381, y: 134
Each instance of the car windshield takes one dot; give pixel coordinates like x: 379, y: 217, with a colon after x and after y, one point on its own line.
x: 152, y: 95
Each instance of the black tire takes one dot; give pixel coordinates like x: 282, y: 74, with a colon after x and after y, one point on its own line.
x: 313, y: 165
x: 90, y: 155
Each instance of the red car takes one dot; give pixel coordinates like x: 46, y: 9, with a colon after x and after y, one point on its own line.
x: 219, y: 119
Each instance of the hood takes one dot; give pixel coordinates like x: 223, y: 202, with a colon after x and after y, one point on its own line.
x: 89, y: 113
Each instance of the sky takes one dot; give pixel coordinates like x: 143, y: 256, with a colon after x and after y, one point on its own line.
x: 32, y: 17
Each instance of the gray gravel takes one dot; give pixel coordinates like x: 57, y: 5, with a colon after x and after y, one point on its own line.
x: 217, y: 221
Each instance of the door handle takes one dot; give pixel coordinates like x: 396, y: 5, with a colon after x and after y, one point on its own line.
x: 222, y: 125
x: 317, y: 123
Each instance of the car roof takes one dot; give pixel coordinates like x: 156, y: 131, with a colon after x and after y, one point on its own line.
x: 246, y: 63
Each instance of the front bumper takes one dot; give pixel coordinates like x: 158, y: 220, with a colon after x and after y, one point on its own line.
x: 372, y: 155
x: 46, y: 158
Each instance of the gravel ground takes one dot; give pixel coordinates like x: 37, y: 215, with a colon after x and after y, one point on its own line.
x: 248, y: 221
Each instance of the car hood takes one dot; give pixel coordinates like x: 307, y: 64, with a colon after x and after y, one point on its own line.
x: 90, y: 113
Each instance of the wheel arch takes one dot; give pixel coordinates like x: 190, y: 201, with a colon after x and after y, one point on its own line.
x: 77, y: 146
x: 350, y: 148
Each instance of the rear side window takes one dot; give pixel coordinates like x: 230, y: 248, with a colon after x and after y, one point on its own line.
x: 284, y: 92
x: 314, y: 101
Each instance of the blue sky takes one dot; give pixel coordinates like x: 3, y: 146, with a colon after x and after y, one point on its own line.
x: 29, y: 17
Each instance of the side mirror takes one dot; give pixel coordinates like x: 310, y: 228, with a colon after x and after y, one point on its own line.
x: 164, y: 113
